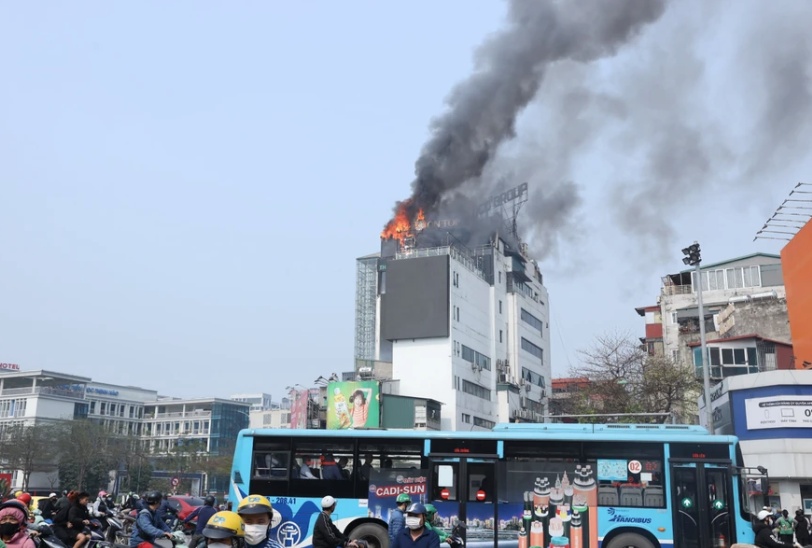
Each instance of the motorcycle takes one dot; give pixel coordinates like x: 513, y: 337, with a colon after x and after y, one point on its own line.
x: 186, y: 528
x: 114, y: 532
x: 44, y: 537
x: 457, y: 537
x: 178, y: 540
x: 97, y: 536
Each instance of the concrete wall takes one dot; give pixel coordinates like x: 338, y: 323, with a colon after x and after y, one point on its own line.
x: 767, y: 318
x: 796, y: 258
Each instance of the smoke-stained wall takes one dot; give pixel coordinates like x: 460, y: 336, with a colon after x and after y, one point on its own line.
x: 415, y: 304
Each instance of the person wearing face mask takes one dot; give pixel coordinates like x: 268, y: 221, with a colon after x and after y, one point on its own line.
x: 224, y: 529
x: 13, y: 521
x: 258, y: 515
x: 203, y: 515
x: 764, y: 532
x: 416, y: 534
x: 325, y: 533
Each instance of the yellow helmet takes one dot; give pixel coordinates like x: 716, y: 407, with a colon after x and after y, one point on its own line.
x: 255, y: 504
x: 224, y: 525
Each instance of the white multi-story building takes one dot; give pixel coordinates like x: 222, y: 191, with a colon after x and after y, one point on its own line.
x: 752, y: 278
x: 466, y: 327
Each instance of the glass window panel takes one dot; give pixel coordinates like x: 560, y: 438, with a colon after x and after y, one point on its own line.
x: 752, y: 358
x: 727, y: 356
x: 739, y: 356
x: 714, y: 356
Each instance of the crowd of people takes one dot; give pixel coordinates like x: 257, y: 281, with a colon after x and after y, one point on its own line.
x: 775, y: 529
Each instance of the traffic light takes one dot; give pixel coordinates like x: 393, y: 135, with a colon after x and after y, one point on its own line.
x: 692, y: 256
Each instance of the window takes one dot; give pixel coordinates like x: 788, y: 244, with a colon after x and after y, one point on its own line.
x: 674, y: 320
x: 456, y: 348
x: 103, y: 408
x: 92, y: 407
x: 466, y: 418
x: 476, y: 390
x: 532, y: 321
x: 500, y: 307
x: 455, y: 279
x: 532, y: 377
x: 484, y: 423
x: 481, y: 360
x: 500, y: 276
x: 500, y: 336
x: 533, y: 349
x: 457, y: 313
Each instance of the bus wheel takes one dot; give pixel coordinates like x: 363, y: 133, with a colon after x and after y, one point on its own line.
x: 375, y: 535
x: 633, y: 540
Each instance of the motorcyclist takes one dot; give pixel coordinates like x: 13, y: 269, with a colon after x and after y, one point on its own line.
x: 325, y: 533
x: 397, y: 521
x: 13, y: 525
x: 416, y: 534
x: 224, y: 529
x: 431, y: 513
x: 48, y: 506
x: 203, y: 515
x: 764, y: 532
x: 257, y: 513
x: 148, y: 526
x: 166, y: 512
x: 99, y: 508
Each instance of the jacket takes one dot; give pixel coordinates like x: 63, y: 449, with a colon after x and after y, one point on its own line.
x: 203, y: 515
x: 148, y: 526
x: 77, y: 514
x: 326, y: 534
x: 21, y: 540
x: 766, y: 539
x: 331, y: 471
x: 427, y: 539
x: 48, y: 508
x: 442, y: 534
x: 802, y: 530
x: 396, y: 523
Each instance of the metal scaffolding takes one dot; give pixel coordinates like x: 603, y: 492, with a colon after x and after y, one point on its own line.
x: 366, y: 292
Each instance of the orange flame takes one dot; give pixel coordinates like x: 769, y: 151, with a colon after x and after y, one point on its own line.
x: 401, y: 227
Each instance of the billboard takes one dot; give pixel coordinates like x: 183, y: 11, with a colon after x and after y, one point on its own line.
x: 796, y: 263
x: 778, y: 412
x: 353, y: 404
x: 299, y: 408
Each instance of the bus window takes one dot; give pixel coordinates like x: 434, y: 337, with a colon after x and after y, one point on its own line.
x: 446, y: 486
x: 380, y: 454
x: 271, y: 465
x: 315, y: 469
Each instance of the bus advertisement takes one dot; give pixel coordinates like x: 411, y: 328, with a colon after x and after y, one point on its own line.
x: 517, y: 486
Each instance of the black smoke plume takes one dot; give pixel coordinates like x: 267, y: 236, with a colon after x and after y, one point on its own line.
x: 509, y: 69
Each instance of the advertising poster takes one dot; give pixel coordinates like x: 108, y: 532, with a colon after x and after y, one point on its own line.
x: 386, y: 485
x: 353, y: 404
x: 778, y: 412
x: 298, y: 409
x: 552, y: 503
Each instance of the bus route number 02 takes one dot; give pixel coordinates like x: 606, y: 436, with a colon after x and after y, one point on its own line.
x: 635, y: 467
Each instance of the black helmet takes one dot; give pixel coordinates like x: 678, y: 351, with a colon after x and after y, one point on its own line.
x: 153, y: 497
x: 209, y: 501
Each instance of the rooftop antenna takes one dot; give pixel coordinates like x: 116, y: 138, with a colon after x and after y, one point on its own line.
x: 783, y: 219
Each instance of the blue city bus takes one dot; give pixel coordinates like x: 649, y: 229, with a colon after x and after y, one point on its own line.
x: 517, y: 486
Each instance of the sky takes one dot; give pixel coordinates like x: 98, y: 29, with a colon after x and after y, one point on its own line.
x: 185, y: 187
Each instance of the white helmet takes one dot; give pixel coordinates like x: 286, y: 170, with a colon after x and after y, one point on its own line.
x: 764, y: 514
x: 327, y: 502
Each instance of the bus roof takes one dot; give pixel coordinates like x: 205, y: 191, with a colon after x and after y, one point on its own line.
x: 660, y: 433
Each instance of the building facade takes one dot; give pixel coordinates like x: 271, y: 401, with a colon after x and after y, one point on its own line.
x: 475, y: 321
x: 259, y: 401
x: 771, y: 414
x: 742, y: 297
x: 209, y: 424
x: 796, y: 260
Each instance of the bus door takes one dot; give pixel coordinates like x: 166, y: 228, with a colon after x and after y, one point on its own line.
x: 463, y: 491
x: 701, y: 500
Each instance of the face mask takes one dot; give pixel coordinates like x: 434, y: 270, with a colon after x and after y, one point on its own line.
x: 413, y: 522
x: 9, y: 529
x: 254, y: 534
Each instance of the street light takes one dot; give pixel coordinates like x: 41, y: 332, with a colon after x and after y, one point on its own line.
x: 694, y: 258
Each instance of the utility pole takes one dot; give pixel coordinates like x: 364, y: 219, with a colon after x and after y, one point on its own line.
x: 694, y: 258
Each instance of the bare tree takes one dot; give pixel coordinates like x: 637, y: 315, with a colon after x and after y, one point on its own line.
x: 25, y: 448
x: 625, y: 380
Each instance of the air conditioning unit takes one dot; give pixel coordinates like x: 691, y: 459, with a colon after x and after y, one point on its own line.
x: 502, y: 377
x: 523, y: 402
x: 527, y: 387
x: 475, y: 367
x: 500, y: 365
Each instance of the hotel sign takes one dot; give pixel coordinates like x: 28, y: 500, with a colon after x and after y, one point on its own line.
x: 9, y: 367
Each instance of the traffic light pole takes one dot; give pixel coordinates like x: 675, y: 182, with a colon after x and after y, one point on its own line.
x: 704, y: 354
